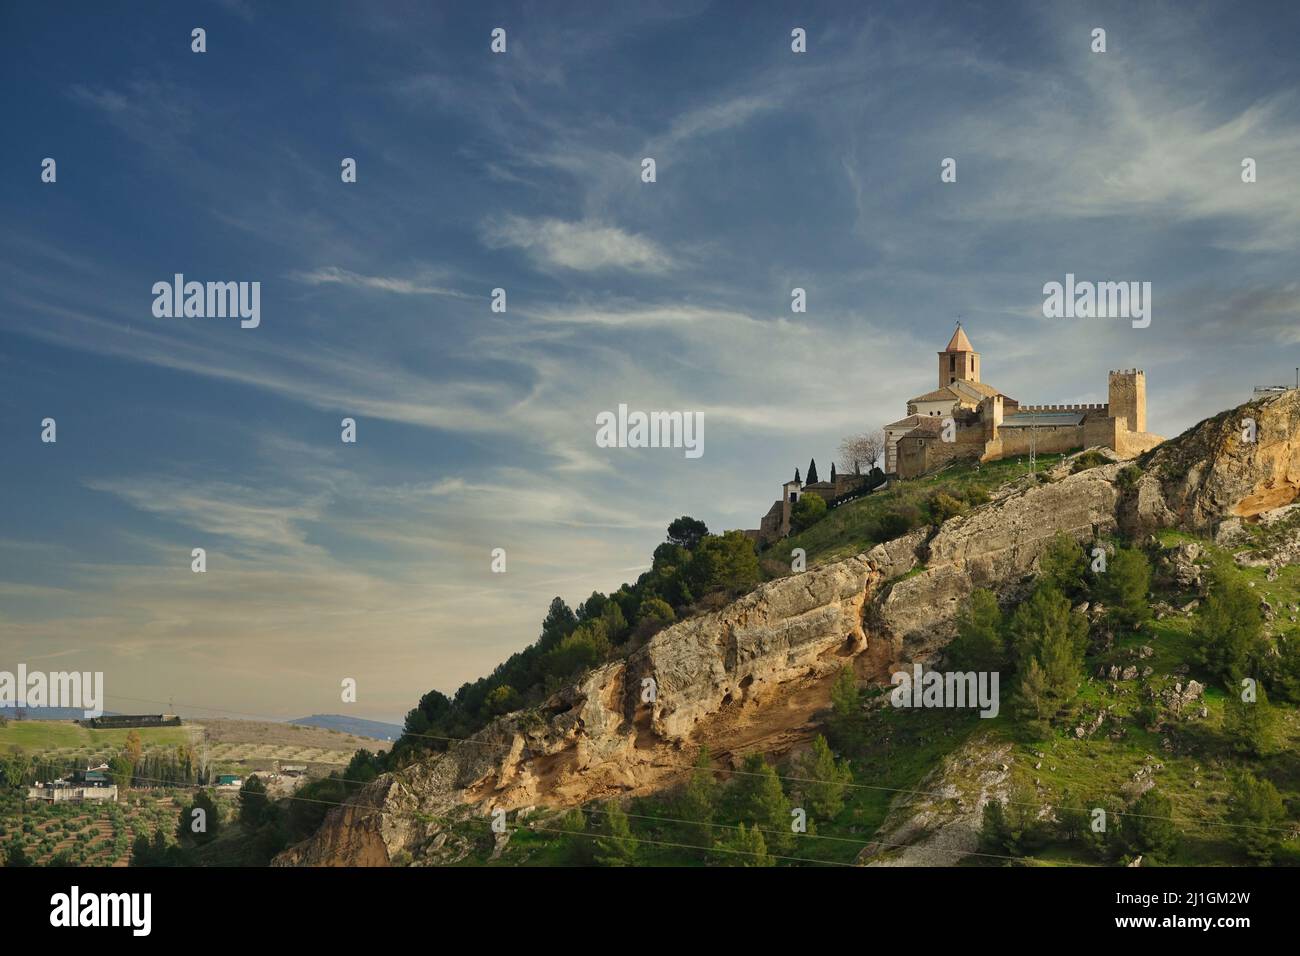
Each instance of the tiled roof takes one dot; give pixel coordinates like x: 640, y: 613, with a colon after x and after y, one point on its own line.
x: 986, y: 391
x: 926, y: 426
x: 938, y: 395
x: 959, y: 342
x: 913, y: 421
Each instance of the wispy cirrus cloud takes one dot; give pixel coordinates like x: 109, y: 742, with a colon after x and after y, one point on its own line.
x: 333, y: 275
x: 582, y: 246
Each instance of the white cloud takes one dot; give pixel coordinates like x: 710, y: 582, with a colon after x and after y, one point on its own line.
x: 580, y: 246
x: 333, y: 275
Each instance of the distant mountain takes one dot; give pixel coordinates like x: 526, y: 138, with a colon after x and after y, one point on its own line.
x: 352, y: 725
x: 47, y: 713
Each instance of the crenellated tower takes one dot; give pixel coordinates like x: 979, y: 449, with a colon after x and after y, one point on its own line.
x: 1127, y: 391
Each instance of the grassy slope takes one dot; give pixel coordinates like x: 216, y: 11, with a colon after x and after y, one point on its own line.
x: 852, y: 528
x: 1196, y: 765
x: 44, y: 736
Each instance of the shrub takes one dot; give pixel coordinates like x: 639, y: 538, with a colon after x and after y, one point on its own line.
x: 944, y: 506
x: 1128, y: 476
x: 898, y: 521
x: 1228, y: 629
x: 1089, y: 459
x: 1148, y: 828
x: 807, y: 511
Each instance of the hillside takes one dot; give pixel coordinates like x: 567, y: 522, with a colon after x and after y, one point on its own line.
x: 234, y: 745
x: 59, y: 738
x: 758, y: 676
x: 356, y: 726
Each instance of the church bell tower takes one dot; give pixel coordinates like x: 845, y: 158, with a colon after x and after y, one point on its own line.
x: 959, y: 361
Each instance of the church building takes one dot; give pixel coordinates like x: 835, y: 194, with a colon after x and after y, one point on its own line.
x: 966, y: 418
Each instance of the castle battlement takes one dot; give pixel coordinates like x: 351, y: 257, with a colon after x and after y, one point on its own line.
x: 994, y: 430
x: 1077, y: 407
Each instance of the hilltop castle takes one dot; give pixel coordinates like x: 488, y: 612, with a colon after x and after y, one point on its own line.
x: 965, y: 418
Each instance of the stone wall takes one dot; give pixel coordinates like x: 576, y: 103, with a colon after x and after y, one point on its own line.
x: 1051, y: 439
x: 916, y: 456
x: 1127, y: 390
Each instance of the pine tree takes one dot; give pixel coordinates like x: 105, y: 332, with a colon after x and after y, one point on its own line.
x: 698, y: 799
x: 578, y: 845
x: 1251, y: 726
x: 1034, y: 699
x: 1073, y: 821
x: 744, y: 847
x: 1259, y: 813
x: 812, y: 471
x: 846, y: 716
x: 1228, y: 629
x: 1148, y: 827
x: 211, y: 821
x: 979, y: 644
x: 762, y: 802
x: 615, y: 847
x: 1124, y: 588
x: 1063, y: 565
x: 994, y: 832
x: 825, y: 780
x: 1047, y: 644
x: 1013, y: 828
x: 832, y: 473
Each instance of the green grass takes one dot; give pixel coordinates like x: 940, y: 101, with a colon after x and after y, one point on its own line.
x: 41, y: 736
x: 899, y: 748
x: 855, y: 527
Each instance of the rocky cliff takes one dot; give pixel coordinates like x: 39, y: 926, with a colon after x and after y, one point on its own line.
x: 753, y: 674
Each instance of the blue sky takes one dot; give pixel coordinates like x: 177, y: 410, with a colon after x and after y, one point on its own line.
x: 475, y: 171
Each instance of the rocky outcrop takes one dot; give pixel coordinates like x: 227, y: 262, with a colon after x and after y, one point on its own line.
x: 938, y: 822
x: 754, y: 674
x: 995, y: 546
x: 707, y: 676
x: 1239, y: 464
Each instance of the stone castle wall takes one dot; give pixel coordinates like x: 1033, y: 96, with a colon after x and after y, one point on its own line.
x: 1127, y: 390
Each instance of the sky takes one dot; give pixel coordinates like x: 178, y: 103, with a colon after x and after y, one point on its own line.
x: 522, y: 171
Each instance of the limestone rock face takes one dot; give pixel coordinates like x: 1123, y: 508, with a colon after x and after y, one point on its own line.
x: 994, y: 547
x: 752, y: 675
x: 1212, y: 474
x: 599, y: 737
x: 784, y: 629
